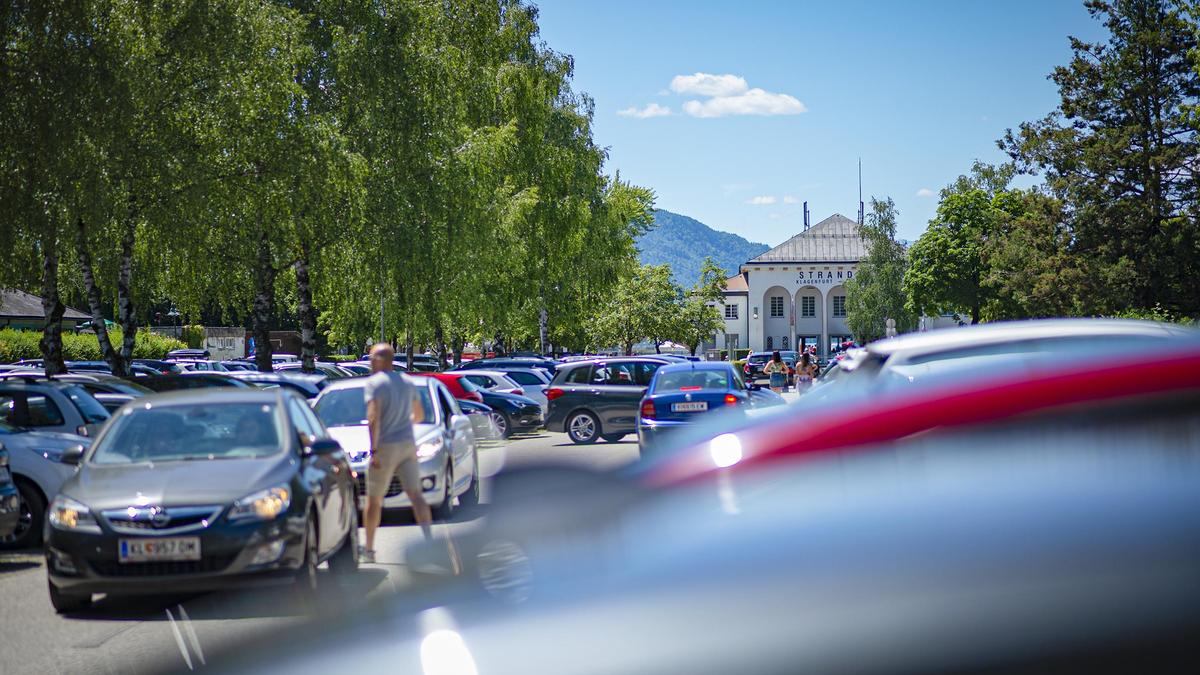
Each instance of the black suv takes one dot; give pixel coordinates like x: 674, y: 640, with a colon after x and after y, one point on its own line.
x: 597, y: 399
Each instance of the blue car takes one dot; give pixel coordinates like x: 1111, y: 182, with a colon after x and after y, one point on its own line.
x: 680, y: 393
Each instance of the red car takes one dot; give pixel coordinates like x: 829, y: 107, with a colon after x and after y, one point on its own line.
x: 459, y: 386
x: 974, y: 401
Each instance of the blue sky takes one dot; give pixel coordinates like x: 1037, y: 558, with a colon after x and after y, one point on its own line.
x: 917, y: 89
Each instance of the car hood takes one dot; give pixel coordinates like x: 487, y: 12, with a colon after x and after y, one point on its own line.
x: 43, y: 439
x: 177, y: 483
x: 355, y: 438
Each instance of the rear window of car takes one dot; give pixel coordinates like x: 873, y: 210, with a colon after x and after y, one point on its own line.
x: 89, y: 408
x: 525, y: 378
x: 580, y: 375
x: 691, y: 380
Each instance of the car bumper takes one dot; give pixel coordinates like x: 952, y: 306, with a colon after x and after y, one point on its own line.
x: 433, y: 481
x: 652, y: 433
x: 89, y: 563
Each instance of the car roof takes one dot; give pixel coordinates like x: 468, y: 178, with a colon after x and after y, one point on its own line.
x: 609, y: 359
x: 360, y: 382
x: 945, y: 339
x: 213, y: 395
x: 477, y: 371
x: 695, y: 365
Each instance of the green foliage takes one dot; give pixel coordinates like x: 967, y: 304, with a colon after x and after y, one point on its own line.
x: 1155, y: 313
x: 193, y: 336
x: 341, y: 358
x: 643, y: 306
x: 684, y: 244
x: 23, y: 344
x: 699, y: 318
x: 876, y: 293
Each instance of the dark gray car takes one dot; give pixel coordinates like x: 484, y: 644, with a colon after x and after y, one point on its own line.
x: 590, y: 400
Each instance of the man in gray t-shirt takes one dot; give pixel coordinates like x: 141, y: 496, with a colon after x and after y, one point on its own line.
x: 392, y: 408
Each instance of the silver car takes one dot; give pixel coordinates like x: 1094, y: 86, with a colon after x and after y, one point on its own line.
x: 446, y: 444
x: 35, y: 459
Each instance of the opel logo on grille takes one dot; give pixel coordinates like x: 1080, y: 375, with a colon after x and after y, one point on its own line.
x: 159, y: 517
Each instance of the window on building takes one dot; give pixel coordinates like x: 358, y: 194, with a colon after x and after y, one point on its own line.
x: 808, y: 306
x: 839, y: 305
x: 784, y: 342
x: 777, y: 307
x: 731, y: 311
x: 770, y: 343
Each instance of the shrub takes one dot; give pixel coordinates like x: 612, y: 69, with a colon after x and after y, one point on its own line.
x: 193, y: 335
x: 340, y: 358
x: 23, y: 344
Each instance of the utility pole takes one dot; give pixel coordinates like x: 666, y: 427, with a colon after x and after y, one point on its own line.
x: 861, y: 210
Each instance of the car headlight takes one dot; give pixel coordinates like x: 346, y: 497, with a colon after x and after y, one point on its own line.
x: 429, y: 448
x: 68, y: 514
x: 262, y: 505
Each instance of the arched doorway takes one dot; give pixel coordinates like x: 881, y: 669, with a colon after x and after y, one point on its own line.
x: 776, y: 318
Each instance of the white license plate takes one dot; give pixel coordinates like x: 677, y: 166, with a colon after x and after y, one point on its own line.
x: 167, y: 548
x: 694, y: 406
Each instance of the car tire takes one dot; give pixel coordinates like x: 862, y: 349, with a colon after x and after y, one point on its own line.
x: 501, y: 423
x: 445, y: 510
x: 65, y: 603
x: 471, y: 496
x: 613, y: 438
x: 583, y: 428
x: 306, y: 576
x: 33, y: 513
x: 345, y: 561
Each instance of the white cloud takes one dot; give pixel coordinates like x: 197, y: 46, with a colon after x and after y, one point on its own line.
x: 925, y: 192
x: 652, y: 110
x: 753, y: 102
x: 788, y: 199
x: 761, y: 200
x: 704, y: 84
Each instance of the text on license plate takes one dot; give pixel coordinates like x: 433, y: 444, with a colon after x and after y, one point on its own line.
x: 694, y: 406
x: 167, y: 548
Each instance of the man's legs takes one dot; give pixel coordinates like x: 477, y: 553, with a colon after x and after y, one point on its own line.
x: 410, y: 478
x: 371, y: 518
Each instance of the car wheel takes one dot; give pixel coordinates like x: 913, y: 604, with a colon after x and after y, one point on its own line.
x: 583, y: 428
x: 613, y: 438
x: 471, y: 496
x: 501, y: 423
x: 345, y: 561
x: 29, y: 525
x: 68, y: 602
x: 306, y: 576
x: 445, y: 510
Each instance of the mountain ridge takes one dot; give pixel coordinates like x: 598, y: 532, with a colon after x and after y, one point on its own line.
x: 683, y: 242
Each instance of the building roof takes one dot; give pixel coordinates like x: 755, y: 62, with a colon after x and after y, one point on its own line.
x: 16, y: 304
x: 835, y: 239
x: 737, y: 284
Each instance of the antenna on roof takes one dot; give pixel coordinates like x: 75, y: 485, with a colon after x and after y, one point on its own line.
x: 805, y: 216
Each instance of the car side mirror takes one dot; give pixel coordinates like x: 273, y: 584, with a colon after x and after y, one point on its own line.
x: 73, y: 455
x: 322, y: 446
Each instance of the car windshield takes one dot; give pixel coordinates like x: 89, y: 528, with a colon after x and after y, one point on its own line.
x: 691, y: 380
x: 347, y: 408
x: 198, y: 431
x: 89, y: 408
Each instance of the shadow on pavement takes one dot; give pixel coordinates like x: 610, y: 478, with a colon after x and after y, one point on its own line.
x: 21, y: 559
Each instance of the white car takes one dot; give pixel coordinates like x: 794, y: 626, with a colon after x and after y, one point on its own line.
x: 34, y: 459
x: 446, y: 444
x: 503, y: 381
x: 533, y: 381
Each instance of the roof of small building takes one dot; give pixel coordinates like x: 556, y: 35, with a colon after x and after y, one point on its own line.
x: 835, y: 239
x: 736, y: 283
x: 15, y: 304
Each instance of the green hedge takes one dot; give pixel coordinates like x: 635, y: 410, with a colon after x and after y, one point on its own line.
x: 23, y: 344
x: 340, y: 358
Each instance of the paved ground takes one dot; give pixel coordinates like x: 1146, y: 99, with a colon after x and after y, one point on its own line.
x: 135, y: 635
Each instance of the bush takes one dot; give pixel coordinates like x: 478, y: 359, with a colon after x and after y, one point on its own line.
x: 23, y: 344
x: 340, y: 358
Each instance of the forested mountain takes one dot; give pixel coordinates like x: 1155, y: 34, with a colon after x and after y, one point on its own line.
x: 683, y: 243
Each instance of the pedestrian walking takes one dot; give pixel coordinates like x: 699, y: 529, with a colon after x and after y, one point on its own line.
x: 806, y: 373
x: 392, y: 408
x: 777, y: 370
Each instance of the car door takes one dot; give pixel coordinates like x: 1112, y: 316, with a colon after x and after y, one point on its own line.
x: 618, y: 395
x: 460, y: 437
x: 37, y: 410
x: 321, y: 472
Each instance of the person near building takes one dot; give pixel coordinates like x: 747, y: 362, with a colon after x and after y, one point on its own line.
x: 806, y: 372
x: 777, y: 370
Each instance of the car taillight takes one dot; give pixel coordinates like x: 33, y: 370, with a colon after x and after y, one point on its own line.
x: 553, y: 393
x: 730, y: 399
x: 519, y: 392
x: 648, y: 409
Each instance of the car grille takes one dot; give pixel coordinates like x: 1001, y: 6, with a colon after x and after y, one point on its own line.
x: 394, y: 489
x: 162, y: 569
x: 140, y: 520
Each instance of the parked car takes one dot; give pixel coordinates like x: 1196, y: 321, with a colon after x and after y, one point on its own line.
x: 329, y: 370
x: 10, y: 499
x: 204, y: 490
x: 232, y: 366
x: 459, y: 386
x: 182, y: 381
x: 50, y: 406
x: 501, y: 363
x: 188, y: 354
x: 357, y: 368
x: 512, y: 413
x: 753, y: 370
x: 35, y: 461
x: 446, y: 444
x: 200, y: 365
x: 601, y: 398
x: 480, y: 415
x: 679, y: 394
x: 304, y: 384
x: 492, y: 380
x: 162, y: 367
x: 534, y: 382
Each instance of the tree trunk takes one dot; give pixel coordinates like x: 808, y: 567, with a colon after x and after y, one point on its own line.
x: 52, y: 307
x: 456, y: 348
x: 307, y: 315
x: 975, y: 312
x: 439, y: 341
x: 408, y: 349
x: 543, y: 325
x: 125, y: 313
x: 264, y: 303
x: 99, y: 327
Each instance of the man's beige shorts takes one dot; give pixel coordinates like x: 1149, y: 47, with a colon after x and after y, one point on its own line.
x: 395, y: 459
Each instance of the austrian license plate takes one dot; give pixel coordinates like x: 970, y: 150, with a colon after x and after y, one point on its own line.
x: 693, y: 406
x: 167, y: 548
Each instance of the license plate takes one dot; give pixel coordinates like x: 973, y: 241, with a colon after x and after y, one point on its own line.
x: 694, y: 406
x: 167, y: 548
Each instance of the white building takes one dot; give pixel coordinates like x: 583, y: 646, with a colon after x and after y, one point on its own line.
x: 794, y: 295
